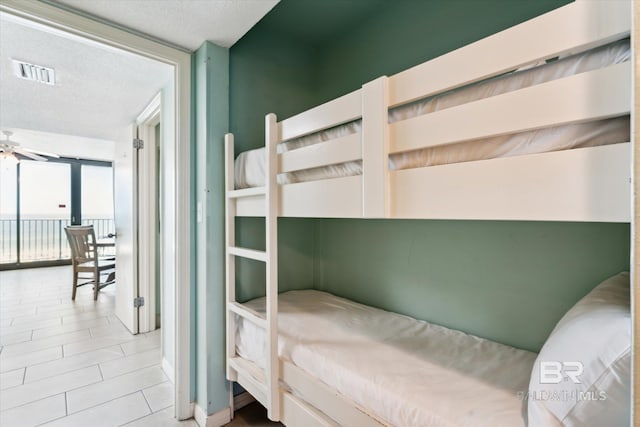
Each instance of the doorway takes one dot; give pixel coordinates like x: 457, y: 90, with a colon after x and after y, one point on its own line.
x: 149, y: 230
x: 175, y: 207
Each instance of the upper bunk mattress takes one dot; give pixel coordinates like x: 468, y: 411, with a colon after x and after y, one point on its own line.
x: 250, y: 165
x: 403, y: 371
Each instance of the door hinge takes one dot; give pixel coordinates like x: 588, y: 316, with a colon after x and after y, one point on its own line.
x: 138, y: 302
x: 138, y: 143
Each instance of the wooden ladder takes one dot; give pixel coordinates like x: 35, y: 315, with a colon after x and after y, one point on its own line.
x: 264, y: 390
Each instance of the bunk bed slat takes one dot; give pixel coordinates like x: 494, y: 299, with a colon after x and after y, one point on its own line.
x: 339, y: 150
x: 326, y: 399
x: 248, y: 253
x: 598, y: 94
x: 296, y: 412
x: 246, y: 192
x: 333, y: 113
x: 543, y: 187
x: 578, y: 26
x: 328, y: 198
x: 255, y: 387
x: 249, y: 314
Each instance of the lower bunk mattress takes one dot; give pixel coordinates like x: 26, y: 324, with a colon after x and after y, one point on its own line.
x: 402, y: 371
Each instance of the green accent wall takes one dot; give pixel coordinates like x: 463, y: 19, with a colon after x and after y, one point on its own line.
x: 296, y: 259
x: 404, y: 33
x: 507, y: 281
x: 270, y: 73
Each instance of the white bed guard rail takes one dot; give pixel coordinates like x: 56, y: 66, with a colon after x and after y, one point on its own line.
x: 584, y: 184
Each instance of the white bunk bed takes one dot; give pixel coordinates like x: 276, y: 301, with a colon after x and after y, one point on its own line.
x: 373, y: 172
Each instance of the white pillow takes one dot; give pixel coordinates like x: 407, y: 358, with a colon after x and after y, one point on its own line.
x: 582, y: 376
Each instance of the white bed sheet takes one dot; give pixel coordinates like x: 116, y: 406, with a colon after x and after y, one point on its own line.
x: 250, y: 165
x: 404, y: 371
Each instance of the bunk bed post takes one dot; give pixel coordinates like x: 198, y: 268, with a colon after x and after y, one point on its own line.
x: 271, y: 226
x: 375, y: 149
x: 230, y: 273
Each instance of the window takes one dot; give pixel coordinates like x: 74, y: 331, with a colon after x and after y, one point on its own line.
x: 45, y: 209
x: 39, y: 199
x: 97, y: 198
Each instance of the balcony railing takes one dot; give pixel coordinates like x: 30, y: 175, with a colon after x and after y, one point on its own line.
x: 42, y: 239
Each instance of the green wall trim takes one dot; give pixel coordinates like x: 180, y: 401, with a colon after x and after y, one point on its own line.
x: 211, y: 124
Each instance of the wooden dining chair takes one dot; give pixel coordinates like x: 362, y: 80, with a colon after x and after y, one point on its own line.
x: 85, y: 259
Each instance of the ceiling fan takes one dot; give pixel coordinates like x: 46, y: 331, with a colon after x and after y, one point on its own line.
x: 12, y: 149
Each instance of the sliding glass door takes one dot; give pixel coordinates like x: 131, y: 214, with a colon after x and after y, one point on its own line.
x: 8, y: 211
x: 45, y: 209
x: 39, y: 199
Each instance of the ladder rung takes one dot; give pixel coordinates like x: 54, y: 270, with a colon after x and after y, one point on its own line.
x: 248, y: 253
x: 246, y: 192
x: 249, y: 314
x: 247, y: 376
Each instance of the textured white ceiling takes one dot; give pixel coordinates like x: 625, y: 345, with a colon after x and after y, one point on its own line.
x: 185, y: 23
x: 98, y: 91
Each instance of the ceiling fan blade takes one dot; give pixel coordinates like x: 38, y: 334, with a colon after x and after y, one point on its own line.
x: 31, y: 156
x: 42, y: 153
x: 8, y: 143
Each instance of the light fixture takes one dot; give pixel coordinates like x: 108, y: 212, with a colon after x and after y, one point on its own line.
x: 37, y: 73
x: 9, y: 156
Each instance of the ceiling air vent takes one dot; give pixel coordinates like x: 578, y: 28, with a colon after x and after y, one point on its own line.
x: 36, y: 73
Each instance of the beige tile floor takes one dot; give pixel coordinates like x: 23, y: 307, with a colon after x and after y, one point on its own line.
x: 65, y: 363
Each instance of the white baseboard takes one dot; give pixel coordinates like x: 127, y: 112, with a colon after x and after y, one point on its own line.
x: 218, y: 419
x: 168, y: 370
x: 242, y: 400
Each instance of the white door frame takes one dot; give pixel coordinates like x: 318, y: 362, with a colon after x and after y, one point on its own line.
x: 58, y: 19
x: 147, y: 195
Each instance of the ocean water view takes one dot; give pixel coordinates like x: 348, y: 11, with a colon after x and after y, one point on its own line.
x: 42, y: 237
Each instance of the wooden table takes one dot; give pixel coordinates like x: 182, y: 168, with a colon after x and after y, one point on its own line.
x: 108, y: 242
